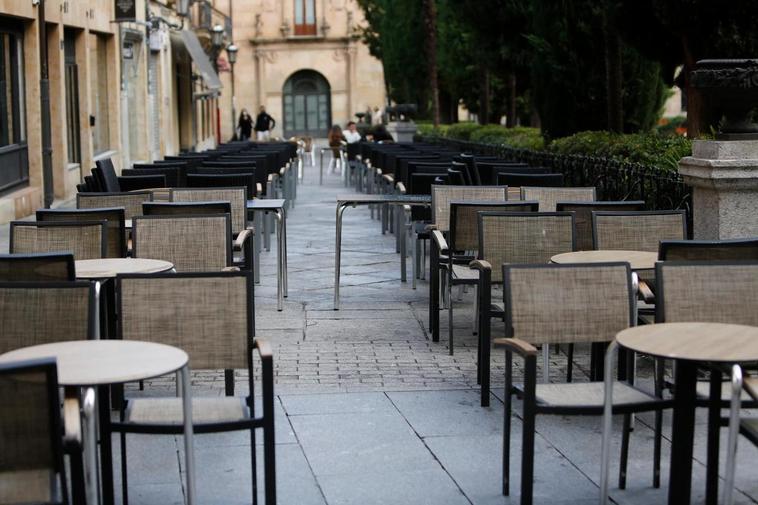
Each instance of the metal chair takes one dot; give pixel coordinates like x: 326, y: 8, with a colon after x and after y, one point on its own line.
x: 33, y: 436
x: 131, y: 201
x: 43, y: 312
x: 115, y: 224
x: 137, y: 182
x: 191, y: 243
x: 554, y: 304
x: 517, y: 180
x: 714, y: 292
x: 37, y: 267
x: 583, y: 217
x: 705, y: 250
x: 549, y: 197
x: 637, y: 231
x: 242, y: 233
x: 85, y: 239
x: 171, y: 174
x: 105, y: 174
x: 513, y: 237
x: 211, y: 317
x: 442, y: 195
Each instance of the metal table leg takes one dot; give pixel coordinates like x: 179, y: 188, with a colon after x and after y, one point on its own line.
x: 257, y: 223
x: 321, y: 168
x: 189, y: 445
x: 337, y: 253
x: 279, y: 263
x: 284, y: 250
x: 400, y: 234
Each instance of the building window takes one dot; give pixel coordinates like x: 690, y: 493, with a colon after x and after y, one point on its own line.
x: 305, y: 17
x: 98, y: 66
x: 14, y: 168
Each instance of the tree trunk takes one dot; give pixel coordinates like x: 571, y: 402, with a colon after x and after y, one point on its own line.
x: 510, y: 118
x: 613, y: 77
x: 430, y: 19
x: 484, y: 97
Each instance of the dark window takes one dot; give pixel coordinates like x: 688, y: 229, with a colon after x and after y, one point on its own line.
x: 14, y: 168
x: 305, y: 17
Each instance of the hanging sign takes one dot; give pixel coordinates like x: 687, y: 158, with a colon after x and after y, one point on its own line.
x: 126, y: 10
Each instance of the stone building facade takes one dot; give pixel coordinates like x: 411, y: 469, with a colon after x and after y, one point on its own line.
x: 303, y: 60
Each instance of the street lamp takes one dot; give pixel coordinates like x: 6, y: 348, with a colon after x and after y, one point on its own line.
x: 217, y: 36
x: 231, y: 52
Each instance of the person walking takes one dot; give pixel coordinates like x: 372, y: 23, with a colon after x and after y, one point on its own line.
x: 263, y: 125
x: 245, y: 125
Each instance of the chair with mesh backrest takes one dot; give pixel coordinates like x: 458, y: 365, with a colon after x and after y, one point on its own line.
x: 43, y: 312
x: 549, y: 197
x: 37, y: 267
x: 711, y: 292
x: 171, y: 174
x: 32, y: 440
x: 462, y: 243
x: 253, y: 188
x: 192, y: 243
x: 85, y: 239
x: 583, y: 217
x: 513, y: 237
x: 130, y: 201
x: 709, y: 250
x: 211, y: 317
x: 115, y: 224
x: 237, y: 198
x: 442, y: 195
x: 558, y: 304
x: 637, y: 231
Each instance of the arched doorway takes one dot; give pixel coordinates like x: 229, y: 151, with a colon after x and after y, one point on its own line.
x: 307, y: 104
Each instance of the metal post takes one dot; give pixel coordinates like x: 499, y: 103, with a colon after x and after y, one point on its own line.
x: 44, y: 86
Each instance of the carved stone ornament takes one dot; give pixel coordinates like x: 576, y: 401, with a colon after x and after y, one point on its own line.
x: 732, y: 86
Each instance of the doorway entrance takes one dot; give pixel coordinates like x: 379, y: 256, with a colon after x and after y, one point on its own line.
x: 307, y: 105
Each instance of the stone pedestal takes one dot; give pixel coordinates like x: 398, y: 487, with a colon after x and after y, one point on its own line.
x: 724, y: 177
x: 402, y: 131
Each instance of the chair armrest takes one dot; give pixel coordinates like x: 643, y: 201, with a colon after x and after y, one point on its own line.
x: 430, y: 227
x: 644, y: 290
x: 480, y: 265
x: 258, y: 188
x: 264, y: 348
x: 520, y: 347
x: 439, y: 239
x: 401, y: 188
x: 271, y: 177
x: 72, y: 422
x: 378, y: 171
x: 230, y: 269
x: 244, y: 235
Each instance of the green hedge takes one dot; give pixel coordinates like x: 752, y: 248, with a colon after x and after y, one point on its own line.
x: 653, y: 149
x: 663, y: 152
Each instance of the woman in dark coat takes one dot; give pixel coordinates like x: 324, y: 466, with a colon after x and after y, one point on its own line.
x: 245, y: 125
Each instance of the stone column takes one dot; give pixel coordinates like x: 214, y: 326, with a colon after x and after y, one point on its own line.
x: 724, y: 177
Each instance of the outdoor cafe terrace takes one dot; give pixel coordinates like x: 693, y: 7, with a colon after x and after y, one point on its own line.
x: 374, y: 398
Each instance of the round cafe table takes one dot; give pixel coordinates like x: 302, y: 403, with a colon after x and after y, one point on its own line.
x: 99, y: 363
x: 104, y: 268
x: 638, y: 260
x: 689, y: 344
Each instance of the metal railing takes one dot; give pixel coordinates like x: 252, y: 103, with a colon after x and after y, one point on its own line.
x: 614, y: 180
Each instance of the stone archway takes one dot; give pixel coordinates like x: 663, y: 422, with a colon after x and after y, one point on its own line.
x: 307, y: 104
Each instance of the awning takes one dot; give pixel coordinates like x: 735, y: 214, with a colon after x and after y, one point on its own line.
x: 203, y: 64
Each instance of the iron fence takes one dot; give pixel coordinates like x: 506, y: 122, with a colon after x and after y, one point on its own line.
x: 614, y: 180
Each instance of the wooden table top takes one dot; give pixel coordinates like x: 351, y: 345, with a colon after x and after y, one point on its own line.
x: 101, y: 362
x: 104, y: 268
x: 728, y: 343
x: 638, y: 260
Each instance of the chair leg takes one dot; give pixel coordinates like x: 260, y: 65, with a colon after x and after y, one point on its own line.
x: 415, y: 262
x: 254, y: 465
x: 124, y: 482
x: 714, y: 428
x: 658, y: 424
x: 476, y: 311
x: 625, y: 434
x: 450, y: 316
x: 570, y: 363
x: 527, y: 446
x: 507, y: 424
x: 423, y: 260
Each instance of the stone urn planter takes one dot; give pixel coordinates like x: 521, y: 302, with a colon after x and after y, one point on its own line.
x: 732, y: 87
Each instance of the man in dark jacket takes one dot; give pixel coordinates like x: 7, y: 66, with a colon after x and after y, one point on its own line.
x: 263, y: 125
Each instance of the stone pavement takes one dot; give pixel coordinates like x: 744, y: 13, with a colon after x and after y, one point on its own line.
x: 370, y: 411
